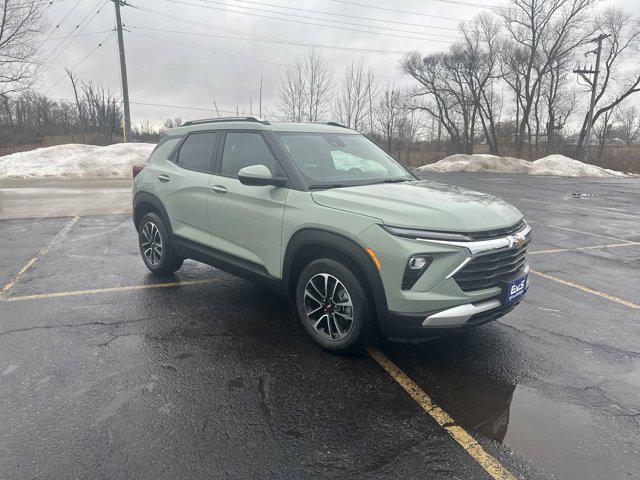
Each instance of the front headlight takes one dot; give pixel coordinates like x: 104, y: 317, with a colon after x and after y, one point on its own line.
x: 426, y: 234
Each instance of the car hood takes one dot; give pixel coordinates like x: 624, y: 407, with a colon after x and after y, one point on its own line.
x: 423, y: 205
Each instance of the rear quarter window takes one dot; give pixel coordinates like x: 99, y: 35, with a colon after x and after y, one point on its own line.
x: 163, y: 150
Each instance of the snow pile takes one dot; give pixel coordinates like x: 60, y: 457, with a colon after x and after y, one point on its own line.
x: 568, y: 167
x: 550, y: 165
x: 478, y: 163
x: 75, y: 161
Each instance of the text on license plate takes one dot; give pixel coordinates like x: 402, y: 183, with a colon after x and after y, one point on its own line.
x: 516, y: 289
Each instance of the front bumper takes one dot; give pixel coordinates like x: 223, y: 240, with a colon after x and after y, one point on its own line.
x: 420, y: 327
x: 436, y: 305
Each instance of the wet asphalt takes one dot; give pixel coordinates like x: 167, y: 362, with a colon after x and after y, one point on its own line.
x: 219, y: 380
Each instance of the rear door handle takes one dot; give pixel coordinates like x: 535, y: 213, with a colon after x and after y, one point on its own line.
x: 219, y: 189
x: 164, y: 177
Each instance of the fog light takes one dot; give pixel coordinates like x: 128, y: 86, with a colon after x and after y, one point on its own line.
x: 416, y: 266
x: 417, y: 263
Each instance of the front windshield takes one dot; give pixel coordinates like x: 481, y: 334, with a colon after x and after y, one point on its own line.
x: 340, y: 159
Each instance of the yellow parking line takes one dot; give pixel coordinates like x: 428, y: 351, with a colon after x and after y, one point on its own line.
x: 621, y: 301
x: 93, y: 291
x: 461, y: 436
x: 593, y: 247
x: 43, y: 251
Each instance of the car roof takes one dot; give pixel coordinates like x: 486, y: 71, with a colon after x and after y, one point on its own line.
x: 258, y: 125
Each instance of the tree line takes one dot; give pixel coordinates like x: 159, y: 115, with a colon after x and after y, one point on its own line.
x: 507, y: 84
x: 505, y: 87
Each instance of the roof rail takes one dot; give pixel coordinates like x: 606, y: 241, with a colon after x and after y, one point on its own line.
x: 225, y: 119
x: 333, y: 124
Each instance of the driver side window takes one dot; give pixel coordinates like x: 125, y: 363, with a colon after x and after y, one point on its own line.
x: 243, y: 149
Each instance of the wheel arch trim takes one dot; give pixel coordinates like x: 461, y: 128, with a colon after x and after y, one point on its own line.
x: 151, y: 199
x: 345, y: 246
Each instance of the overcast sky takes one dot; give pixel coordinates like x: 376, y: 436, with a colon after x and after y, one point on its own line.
x: 176, y: 53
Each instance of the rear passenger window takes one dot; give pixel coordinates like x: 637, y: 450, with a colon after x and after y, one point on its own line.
x: 243, y: 149
x: 196, y: 153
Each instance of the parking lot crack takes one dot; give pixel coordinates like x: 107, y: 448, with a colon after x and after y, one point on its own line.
x: 70, y: 325
x: 615, y: 351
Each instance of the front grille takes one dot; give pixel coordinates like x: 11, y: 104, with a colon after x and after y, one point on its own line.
x: 498, y: 232
x: 486, y: 271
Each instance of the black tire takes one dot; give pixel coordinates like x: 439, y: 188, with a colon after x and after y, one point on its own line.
x: 161, y: 263
x: 328, y: 335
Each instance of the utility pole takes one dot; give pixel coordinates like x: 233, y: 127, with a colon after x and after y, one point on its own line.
x: 583, y: 72
x: 123, y: 71
x: 260, y: 108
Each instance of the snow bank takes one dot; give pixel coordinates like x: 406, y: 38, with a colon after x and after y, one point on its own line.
x: 75, y: 161
x: 550, y: 165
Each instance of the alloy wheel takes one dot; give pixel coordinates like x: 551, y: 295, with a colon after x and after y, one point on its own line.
x: 328, y: 306
x: 151, y: 243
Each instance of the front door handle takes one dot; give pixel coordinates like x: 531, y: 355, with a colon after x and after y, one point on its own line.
x: 219, y: 189
x: 164, y: 177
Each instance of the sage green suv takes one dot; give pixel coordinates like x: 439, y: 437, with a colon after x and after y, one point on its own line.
x: 319, y: 213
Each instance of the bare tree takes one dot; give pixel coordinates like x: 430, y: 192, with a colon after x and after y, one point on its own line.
x: 539, y: 34
x: 79, y: 105
x: 387, y: 113
x: 478, y: 53
x: 444, y: 94
x: 628, y: 120
x: 559, y: 100
x: 616, y: 82
x: 20, y: 24
x: 172, y: 123
x: 319, y: 84
x: 353, y: 103
x: 305, y: 92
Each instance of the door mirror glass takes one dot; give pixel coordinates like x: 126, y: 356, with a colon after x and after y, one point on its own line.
x: 259, y: 175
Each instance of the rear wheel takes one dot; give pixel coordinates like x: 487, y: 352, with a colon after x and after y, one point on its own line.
x: 333, y: 306
x: 155, y: 245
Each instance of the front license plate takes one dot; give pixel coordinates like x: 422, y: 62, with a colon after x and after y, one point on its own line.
x: 516, y: 289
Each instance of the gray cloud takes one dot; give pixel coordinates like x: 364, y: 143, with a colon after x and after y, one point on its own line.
x: 182, y: 69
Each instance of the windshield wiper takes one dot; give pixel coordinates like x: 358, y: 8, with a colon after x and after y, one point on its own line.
x: 392, y: 180
x: 325, y: 185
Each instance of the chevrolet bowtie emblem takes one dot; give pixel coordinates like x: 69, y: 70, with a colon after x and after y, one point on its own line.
x: 519, y: 241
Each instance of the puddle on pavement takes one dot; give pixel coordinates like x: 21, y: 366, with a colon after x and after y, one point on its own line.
x: 564, y: 439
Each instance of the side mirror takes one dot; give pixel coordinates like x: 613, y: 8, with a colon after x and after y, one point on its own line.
x: 259, y: 175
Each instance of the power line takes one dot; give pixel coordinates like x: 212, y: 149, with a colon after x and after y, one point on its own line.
x: 74, y: 34
x: 80, y: 62
x: 206, y: 25
x: 366, y: 5
x: 469, y: 4
x: 282, y: 42
x: 251, y: 59
x: 59, y: 23
x: 421, y: 38
x: 180, y: 106
x: 86, y: 34
x: 346, y: 15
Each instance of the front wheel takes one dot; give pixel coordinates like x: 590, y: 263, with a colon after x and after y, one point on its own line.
x: 155, y: 246
x: 333, y: 306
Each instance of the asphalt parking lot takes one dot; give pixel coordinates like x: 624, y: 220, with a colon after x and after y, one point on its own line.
x: 109, y: 372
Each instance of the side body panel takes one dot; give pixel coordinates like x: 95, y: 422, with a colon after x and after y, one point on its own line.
x: 247, y: 222
x: 185, y: 197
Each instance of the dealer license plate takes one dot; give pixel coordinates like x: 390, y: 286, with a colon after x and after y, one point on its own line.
x: 516, y: 289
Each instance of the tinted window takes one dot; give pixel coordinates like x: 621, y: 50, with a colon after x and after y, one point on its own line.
x: 197, y: 151
x: 243, y: 149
